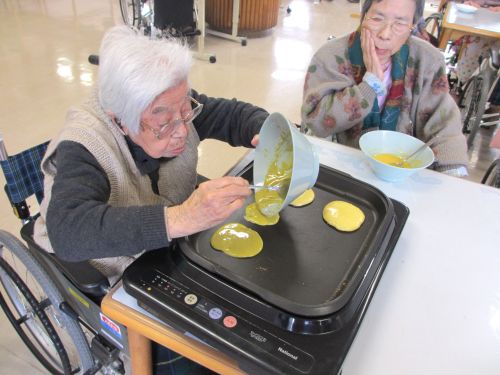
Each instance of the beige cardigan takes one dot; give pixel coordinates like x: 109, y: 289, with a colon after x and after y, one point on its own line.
x: 89, y: 126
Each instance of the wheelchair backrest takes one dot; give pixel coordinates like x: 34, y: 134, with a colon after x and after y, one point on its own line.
x: 23, y: 176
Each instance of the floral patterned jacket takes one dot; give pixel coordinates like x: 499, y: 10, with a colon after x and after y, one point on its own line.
x: 334, y: 104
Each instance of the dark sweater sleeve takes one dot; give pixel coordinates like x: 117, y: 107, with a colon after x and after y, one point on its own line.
x: 82, y: 225
x: 228, y: 120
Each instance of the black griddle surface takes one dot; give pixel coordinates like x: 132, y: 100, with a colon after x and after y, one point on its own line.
x: 306, y: 267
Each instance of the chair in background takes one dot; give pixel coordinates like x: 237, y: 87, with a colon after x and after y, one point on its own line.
x: 167, y: 19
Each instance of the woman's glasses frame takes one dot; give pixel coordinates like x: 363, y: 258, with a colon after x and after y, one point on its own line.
x: 397, y: 27
x: 170, y: 126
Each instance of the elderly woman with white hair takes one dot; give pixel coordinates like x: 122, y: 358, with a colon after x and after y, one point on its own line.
x: 120, y: 176
x: 382, y: 77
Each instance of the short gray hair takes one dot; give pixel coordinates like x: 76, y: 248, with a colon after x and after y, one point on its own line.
x: 419, y: 9
x: 134, y: 70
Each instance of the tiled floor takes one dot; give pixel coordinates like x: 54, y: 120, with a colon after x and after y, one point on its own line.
x: 44, y: 45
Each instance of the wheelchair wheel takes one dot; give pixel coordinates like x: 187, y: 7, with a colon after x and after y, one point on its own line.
x: 492, y: 175
x: 30, y: 300
x: 469, y: 102
x: 131, y: 12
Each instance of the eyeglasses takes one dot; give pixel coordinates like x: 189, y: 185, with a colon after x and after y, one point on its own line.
x: 186, y: 117
x: 397, y: 27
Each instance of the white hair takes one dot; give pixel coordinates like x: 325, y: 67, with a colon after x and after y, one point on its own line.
x: 134, y: 70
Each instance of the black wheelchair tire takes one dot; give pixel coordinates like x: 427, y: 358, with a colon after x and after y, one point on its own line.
x: 492, y: 175
x: 38, y: 310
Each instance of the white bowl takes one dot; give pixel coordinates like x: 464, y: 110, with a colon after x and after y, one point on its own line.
x: 278, y: 132
x: 396, y: 143
x: 465, y: 8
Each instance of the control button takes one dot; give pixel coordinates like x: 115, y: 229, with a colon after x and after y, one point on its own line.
x: 190, y: 299
x: 230, y: 321
x: 180, y: 294
x: 215, y: 313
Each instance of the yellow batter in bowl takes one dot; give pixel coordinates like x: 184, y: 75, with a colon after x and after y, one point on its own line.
x: 278, y: 174
x: 253, y: 215
x: 392, y: 159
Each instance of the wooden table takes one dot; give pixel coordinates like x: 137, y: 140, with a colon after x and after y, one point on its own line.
x: 457, y: 24
x: 143, y: 327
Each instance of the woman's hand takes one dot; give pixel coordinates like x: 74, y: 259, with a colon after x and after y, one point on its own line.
x: 255, y: 140
x: 212, y: 203
x: 370, y: 58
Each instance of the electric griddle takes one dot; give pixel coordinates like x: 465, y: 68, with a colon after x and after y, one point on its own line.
x: 294, y: 308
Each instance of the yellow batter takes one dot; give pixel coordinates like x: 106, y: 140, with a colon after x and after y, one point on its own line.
x: 237, y: 240
x: 304, y: 199
x: 279, y: 173
x: 392, y: 159
x: 343, y: 216
x: 268, y: 202
x: 253, y: 215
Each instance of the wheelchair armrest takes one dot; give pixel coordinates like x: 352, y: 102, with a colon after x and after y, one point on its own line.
x: 83, y: 275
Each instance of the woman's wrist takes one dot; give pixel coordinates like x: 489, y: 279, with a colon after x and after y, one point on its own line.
x: 375, y: 83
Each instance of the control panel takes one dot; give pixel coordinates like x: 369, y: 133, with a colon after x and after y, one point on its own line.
x: 171, y: 290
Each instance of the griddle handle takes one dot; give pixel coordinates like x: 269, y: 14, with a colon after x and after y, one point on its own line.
x: 336, y: 170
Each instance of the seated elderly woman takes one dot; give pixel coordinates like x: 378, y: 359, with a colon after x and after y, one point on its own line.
x: 380, y: 77
x: 120, y: 176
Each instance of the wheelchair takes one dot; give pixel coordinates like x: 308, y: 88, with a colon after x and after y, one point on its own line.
x: 53, y: 305
x: 492, y: 175
x: 166, y: 18
x: 477, y: 94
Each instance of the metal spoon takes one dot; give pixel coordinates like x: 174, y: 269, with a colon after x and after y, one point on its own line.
x: 255, y: 187
x: 416, y: 152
